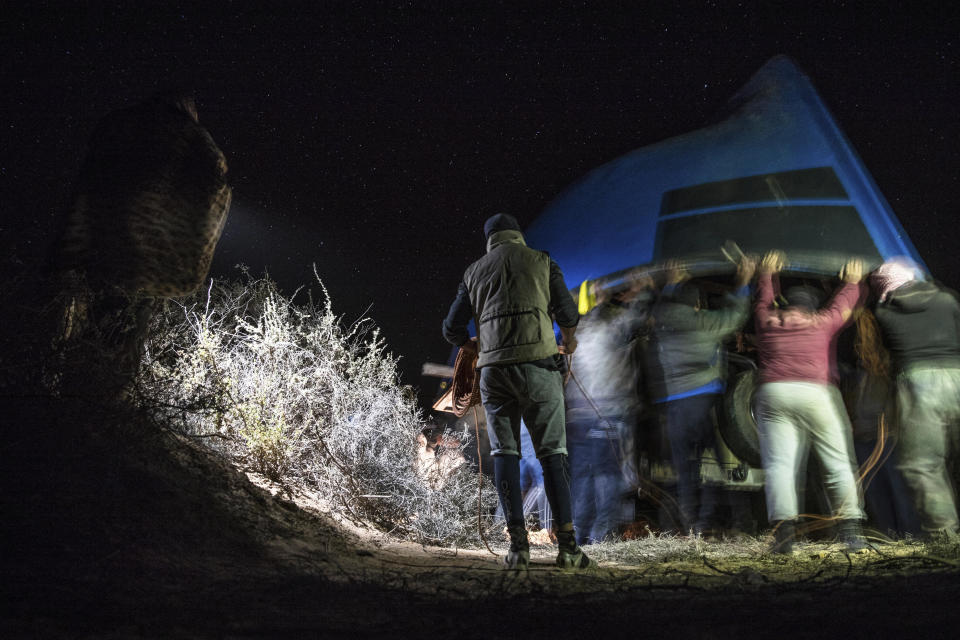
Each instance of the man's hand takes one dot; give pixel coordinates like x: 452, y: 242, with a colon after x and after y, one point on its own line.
x: 568, y: 344
x: 674, y: 272
x: 568, y: 347
x: 772, y: 262
x: 641, y: 283
x: 638, y: 284
x: 745, y: 269
x: 852, y: 271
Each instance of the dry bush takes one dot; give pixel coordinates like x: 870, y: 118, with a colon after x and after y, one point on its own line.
x: 289, y: 390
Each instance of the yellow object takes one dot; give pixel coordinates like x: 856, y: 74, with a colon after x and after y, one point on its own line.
x: 587, y: 299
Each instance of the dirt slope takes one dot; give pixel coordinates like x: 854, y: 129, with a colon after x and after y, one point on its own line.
x: 117, y: 531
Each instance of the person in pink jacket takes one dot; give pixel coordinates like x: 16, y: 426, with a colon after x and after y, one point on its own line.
x: 798, y: 405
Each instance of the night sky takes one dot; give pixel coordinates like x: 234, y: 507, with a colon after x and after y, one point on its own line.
x: 374, y: 139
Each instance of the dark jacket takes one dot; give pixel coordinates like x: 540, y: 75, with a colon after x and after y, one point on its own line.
x: 686, y: 349
x: 920, y: 323
x: 511, y: 293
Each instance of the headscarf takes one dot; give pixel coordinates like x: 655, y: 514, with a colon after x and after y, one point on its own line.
x: 891, y: 275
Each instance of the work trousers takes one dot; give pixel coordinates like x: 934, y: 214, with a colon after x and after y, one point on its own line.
x: 525, y: 390
x: 888, y: 500
x: 928, y: 409
x: 792, y: 419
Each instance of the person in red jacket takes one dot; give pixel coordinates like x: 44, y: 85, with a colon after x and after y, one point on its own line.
x: 798, y: 404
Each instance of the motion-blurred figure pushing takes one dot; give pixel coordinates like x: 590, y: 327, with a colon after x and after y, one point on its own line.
x: 920, y: 323
x: 687, y: 371
x: 798, y: 404
x: 602, y: 408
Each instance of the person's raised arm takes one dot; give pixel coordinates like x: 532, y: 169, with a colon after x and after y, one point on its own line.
x: 847, y: 297
x: 771, y: 263
x: 746, y: 267
x: 733, y: 314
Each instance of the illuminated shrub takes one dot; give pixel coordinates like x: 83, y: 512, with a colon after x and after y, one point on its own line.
x: 288, y: 390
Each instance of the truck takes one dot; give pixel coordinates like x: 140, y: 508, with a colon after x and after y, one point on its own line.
x: 776, y: 172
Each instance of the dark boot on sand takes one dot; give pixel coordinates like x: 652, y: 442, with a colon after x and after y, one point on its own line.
x: 850, y: 534
x: 571, y: 556
x: 518, y: 558
x: 784, y: 536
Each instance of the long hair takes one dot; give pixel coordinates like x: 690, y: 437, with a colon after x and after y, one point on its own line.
x: 869, y: 344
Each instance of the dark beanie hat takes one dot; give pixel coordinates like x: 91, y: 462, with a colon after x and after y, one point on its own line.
x: 804, y: 296
x: 500, y: 222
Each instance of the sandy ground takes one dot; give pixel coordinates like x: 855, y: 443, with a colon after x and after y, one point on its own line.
x: 148, y: 535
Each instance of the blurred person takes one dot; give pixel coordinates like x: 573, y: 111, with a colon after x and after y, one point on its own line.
x: 535, y: 501
x: 798, y: 404
x: 602, y: 408
x: 438, y: 456
x: 687, y: 367
x: 511, y: 293
x: 919, y: 322
x: 869, y: 396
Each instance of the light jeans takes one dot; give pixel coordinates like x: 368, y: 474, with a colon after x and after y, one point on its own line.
x: 793, y: 418
x: 928, y: 409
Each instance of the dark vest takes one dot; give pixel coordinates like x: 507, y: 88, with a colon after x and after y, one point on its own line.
x: 510, y: 294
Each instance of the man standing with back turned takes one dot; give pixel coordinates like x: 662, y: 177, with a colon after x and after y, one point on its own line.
x: 511, y: 294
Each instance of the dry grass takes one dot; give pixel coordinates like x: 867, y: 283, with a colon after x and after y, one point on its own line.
x: 288, y: 389
x: 663, y: 564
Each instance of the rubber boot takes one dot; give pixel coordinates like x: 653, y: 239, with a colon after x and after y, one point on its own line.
x: 571, y: 556
x: 518, y: 558
x: 784, y: 536
x: 851, y: 534
x: 556, y: 484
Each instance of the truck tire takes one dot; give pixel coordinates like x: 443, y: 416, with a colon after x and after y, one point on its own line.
x: 738, y: 428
